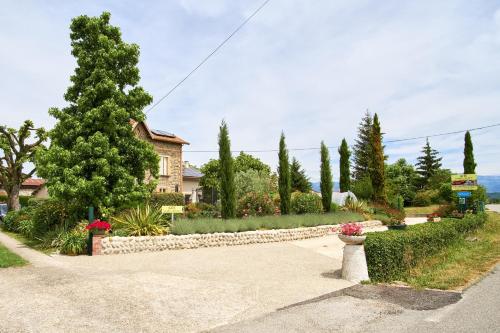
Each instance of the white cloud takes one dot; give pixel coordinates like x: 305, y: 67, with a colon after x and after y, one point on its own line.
x: 308, y: 68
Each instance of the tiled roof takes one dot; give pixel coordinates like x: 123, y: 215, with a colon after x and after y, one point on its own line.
x: 191, y: 173
x: 160, y: 135
x: 33, y: 182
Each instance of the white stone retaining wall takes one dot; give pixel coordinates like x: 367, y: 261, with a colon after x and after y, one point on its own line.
x: 117, y: 245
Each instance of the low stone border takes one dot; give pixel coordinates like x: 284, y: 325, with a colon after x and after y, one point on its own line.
x: 117, y: 245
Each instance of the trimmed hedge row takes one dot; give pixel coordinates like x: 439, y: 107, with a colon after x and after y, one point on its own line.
x: 390, y: 255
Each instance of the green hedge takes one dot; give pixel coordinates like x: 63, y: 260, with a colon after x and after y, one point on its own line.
x: 390, y: 255
x: 306, y: 203
x: 23, y: 200
x: 167, y: 199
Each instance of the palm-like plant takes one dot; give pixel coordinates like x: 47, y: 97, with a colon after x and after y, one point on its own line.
x: 143, y: 220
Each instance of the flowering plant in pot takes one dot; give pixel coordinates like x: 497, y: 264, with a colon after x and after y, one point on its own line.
x: 352, y: 233
x: 434, y: 217
x: 98, y: 227
x: 396, y: 219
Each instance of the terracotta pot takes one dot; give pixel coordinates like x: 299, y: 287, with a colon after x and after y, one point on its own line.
x: 352, y: 240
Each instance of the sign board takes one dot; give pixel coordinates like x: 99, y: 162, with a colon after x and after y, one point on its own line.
x: 464, y: 194
x: 172, y: 209
x: 464, y: 182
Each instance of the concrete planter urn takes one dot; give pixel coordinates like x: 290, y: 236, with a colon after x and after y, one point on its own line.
x: 352, y: 240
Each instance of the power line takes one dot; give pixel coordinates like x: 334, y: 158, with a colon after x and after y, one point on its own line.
x: 208, y: 56
x: 335, y: 147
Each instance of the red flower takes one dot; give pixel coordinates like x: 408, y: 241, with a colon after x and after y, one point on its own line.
x: 99, y: 225
x: 351, y: 229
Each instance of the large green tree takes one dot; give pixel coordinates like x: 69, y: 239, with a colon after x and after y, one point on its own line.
x: 94, y: 157
x: 362, y: 154
x: 226, y: 174
x: 469, y: 163
x: 326, y: 180
x: 427, y: 164
x: 300, y: 181
x: 242, y: 163
x: 377, y: 173
x: 400, y: 179
x: 284, y: 181
x: 345, y: 176
x: 17, y: 149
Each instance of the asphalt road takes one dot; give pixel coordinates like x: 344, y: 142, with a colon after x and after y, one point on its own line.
x: 366, y: 309
x: 495, y: 207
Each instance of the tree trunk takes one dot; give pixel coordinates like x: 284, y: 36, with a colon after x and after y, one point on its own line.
x: 13, y: 198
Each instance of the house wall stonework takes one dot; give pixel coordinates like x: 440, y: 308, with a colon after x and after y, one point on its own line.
x: 174, y: 152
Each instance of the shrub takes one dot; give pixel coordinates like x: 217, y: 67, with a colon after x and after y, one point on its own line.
x: 11, y: 220
x: 422, y: 199
x: 73, y: 242
x: 334, y: 207
x: 26, y: 228
x: 167, y: 199
x: 51, y: 214
x: 255, y: 204
x: 357, y: 206
x: 390, y: 255
x: 306, y: 203
x: 363, y: 188
x: 144, y: 220
x: 201, y: 209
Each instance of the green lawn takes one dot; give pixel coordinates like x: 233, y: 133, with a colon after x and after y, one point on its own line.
x: 204, y: 226
x: 421, y: 210
x: 9, y: 259
x: 462, y: 263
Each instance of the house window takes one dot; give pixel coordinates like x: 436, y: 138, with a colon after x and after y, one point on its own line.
x: 164, y: 165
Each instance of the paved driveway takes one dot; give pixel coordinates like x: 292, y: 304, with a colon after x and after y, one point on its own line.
x: 171, y: 291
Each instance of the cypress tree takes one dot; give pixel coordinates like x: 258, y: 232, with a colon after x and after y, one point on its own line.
x: 377, y: 173
x: 345, y: 179
x: 427, y: 164
x: 284, y: 182
x: 226, y: 174
x: 326, y: 182
x: 300, y: 182
x: 362, y: 148
x: 469, y: 163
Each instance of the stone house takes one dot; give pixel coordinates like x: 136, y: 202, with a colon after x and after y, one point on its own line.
x: 169, y: 148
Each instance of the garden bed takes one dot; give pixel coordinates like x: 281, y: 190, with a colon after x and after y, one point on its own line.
x: 118, y: 245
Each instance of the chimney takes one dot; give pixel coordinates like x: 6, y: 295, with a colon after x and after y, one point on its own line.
x: 186, y: 164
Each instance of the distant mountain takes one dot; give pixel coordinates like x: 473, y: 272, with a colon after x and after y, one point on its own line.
x: 316, y: 188
x: 492, y: 184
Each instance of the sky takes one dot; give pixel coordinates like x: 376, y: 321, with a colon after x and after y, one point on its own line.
x: 308, y: 68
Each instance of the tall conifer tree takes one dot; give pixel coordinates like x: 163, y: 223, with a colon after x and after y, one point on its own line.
x: 326, y: 181
x: 345, y: 177
x: 226, y: 174
x: 362, y: 155
x: 469, y: 163
x: 377, y: 173
x: 300, y: 182
x: 284, y: 181
x: 427, y: 164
